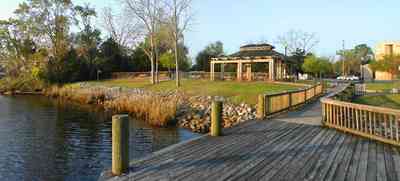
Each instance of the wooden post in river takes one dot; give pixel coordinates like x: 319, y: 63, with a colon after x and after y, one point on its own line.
x: 216, y: 118
x: 120, y: 144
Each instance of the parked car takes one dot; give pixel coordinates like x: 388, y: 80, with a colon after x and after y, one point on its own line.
x: 341, y: 78
x: 351, y: 78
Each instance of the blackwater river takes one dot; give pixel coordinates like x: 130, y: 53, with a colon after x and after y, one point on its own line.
x: 49, y: 140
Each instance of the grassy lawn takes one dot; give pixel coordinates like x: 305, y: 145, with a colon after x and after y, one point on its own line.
x: 381, y: 86
x: 390, y: 101
x: 236, y: 91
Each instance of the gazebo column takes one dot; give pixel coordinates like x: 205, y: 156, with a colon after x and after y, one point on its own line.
x: 248, y: 72
x: 212, y: 71
x: 239, y: 71
x: 271, y: 70
x: 222, y: 71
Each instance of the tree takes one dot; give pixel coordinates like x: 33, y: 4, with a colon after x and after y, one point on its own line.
x: 50, y: 18
x: 179, y: 19
x: 317, y: 65
x: 297, y: 45
x: 364, y: 53
x: 121, y: 28
x: 212, y: 50
x: 352, y: 59
x: 389, y: 64
x: 89, y: 38
x: 148, y: 12
x: 296, y: 40
x: 167, y: 59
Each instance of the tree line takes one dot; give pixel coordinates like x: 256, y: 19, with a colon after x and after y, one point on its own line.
x: 56, y: 41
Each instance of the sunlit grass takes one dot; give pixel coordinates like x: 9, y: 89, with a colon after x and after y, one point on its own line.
x: 381, y: 86
x: 237, y: 92
x: 390, y: 101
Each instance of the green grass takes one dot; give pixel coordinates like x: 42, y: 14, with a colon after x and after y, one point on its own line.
x: 237, y: 92
x: 381, y: 86
x: 389, y: 101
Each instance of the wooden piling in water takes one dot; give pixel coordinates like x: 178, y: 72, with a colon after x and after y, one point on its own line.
x: 261, y: 107
x: 120, y: 144
x: 216, y: 118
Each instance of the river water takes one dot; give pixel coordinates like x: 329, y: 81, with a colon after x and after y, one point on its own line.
x: 45, y: 139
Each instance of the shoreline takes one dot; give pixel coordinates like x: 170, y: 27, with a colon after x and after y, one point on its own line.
x: 192, y: 112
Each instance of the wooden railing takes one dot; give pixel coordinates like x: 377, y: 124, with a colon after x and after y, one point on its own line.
x: 270, y: 104
x: 372, y: 122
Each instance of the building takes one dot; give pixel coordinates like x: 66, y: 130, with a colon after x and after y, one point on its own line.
x: 248, y: 55
x: 382, y: 50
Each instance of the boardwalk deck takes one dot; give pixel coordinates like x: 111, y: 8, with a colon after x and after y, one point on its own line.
x: 277, y: 149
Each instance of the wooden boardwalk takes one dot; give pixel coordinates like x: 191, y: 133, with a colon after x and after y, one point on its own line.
x: 276, y: 149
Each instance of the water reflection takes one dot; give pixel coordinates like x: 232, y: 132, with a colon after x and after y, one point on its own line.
x: 43, y: 139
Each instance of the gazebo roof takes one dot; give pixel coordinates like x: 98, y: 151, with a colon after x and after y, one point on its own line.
x: 253, y: 51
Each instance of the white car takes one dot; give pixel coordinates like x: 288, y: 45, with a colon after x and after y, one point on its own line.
x: 352, y: 78
x: 341, y: 78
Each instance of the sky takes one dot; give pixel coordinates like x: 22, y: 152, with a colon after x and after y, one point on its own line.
x: 235, y: 22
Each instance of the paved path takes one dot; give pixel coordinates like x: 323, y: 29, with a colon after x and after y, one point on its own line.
x: 279, y: 149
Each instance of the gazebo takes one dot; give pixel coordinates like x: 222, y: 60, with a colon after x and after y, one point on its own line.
x: 251, y: 54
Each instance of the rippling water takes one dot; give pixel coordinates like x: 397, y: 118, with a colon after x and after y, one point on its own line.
x: 43, y: 139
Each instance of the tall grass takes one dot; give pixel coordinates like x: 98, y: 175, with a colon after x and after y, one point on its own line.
x: 155, y: 108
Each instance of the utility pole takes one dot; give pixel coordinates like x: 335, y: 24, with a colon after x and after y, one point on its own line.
x: 343, y: 66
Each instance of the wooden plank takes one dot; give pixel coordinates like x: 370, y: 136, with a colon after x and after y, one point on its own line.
x: 291, y: 170
x: 329, y: 150
x: 372, y: 163
x: 200, y: 153
x: 271, y: 162
x: 330, y: 174
x: 314, y: 159
x: 191, y: 148
x: 344, y: 164
x: 389, y: 163
x: 226, y: 163
x: 355, y: 160
x: 380, y: 160
x: 268, y: 172
x: 363, y: 161
x: 396, y: 160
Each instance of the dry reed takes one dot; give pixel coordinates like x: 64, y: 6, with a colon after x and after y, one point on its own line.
x: 155, y: 108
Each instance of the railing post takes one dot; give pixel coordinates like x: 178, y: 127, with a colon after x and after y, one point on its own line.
x: 261, y: 107
x: 323, y: 113
x: 216, y: 118
x: 290, y: 100
x: 120, y: 144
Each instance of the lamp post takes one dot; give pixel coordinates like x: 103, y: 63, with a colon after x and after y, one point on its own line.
x: 98, y: 74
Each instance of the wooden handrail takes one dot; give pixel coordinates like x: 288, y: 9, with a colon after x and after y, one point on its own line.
x: 373, y: 122
x: 277, y: 102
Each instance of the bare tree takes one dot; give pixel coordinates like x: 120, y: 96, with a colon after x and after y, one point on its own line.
x: 123, y: 29
x: 179, y: 19
x: 148, y: 12
x: 295, y: 40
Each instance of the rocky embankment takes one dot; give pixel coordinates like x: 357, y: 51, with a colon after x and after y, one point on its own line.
x: 195, y: 114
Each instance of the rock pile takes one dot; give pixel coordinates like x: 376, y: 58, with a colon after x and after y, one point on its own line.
x: 196, y: 114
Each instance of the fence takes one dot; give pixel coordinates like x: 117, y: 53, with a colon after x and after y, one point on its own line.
x: 274, y: 103
x: 372, y: 122
x: 257, y: 76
